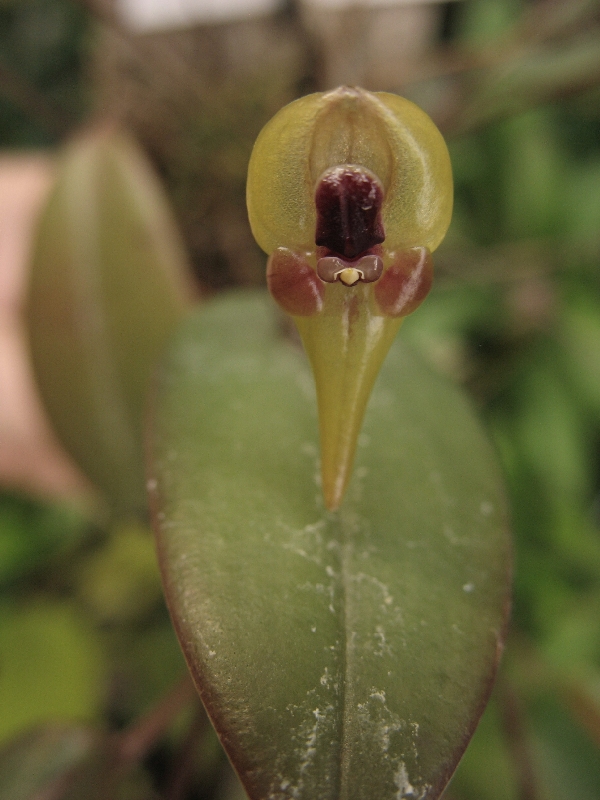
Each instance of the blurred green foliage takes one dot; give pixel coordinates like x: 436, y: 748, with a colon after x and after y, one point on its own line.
x: 518, y: 321
x: 108, y: 283
x: 68, y: 654
x: 514, y: 316
x: 43, y: 44
x: 33, y: 535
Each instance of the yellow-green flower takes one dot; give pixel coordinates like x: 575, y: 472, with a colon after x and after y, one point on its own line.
x: 348, y: 192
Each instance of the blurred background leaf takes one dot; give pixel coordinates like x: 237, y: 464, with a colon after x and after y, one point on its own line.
x: 108, y: 284
x: 52, y: 665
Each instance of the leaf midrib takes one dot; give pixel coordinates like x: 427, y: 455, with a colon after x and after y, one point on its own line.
x: 345, y: 650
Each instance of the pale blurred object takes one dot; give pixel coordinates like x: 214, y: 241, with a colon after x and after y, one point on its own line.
x: 372, y: 43
x: 366, y: 3
x: 376, y: 44
x: 31, y: 460
x: 151, y: 15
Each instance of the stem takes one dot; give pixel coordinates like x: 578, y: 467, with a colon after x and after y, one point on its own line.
x: 183, y: 770
x: 137, y: 740
x: 513, y: 720
x: 582, y: 707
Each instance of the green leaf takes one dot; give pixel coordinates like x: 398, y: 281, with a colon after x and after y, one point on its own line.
x: 52, y: 666
x: 107, y: 288
x: 340, y: 654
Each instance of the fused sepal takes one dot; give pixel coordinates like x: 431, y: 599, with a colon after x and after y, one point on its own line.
x: 380, y: 132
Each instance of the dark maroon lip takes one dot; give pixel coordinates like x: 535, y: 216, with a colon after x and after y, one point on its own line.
x: 348, y: 200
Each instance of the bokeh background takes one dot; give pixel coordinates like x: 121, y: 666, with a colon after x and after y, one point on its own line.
x: 94, y: 698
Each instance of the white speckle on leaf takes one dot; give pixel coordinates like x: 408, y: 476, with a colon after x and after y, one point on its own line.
x: 402, y: 783
x: 383, y: 648
x: 151, y: 484
x: 386, y: 597
x: 468, y: 587
x: 486, y: 508
x: 377, y: 721
x: 306, y: 542
x: 315, y: 728
x: 384, y: 728
x: 309, y: 747
x: 311, y: 742
x: 313, y: 628
x: 453, y: 538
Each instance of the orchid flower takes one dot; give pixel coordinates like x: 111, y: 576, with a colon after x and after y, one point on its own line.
x: 349, y: 192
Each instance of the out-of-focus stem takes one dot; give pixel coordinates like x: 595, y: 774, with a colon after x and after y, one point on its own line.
x: 135, y: 742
